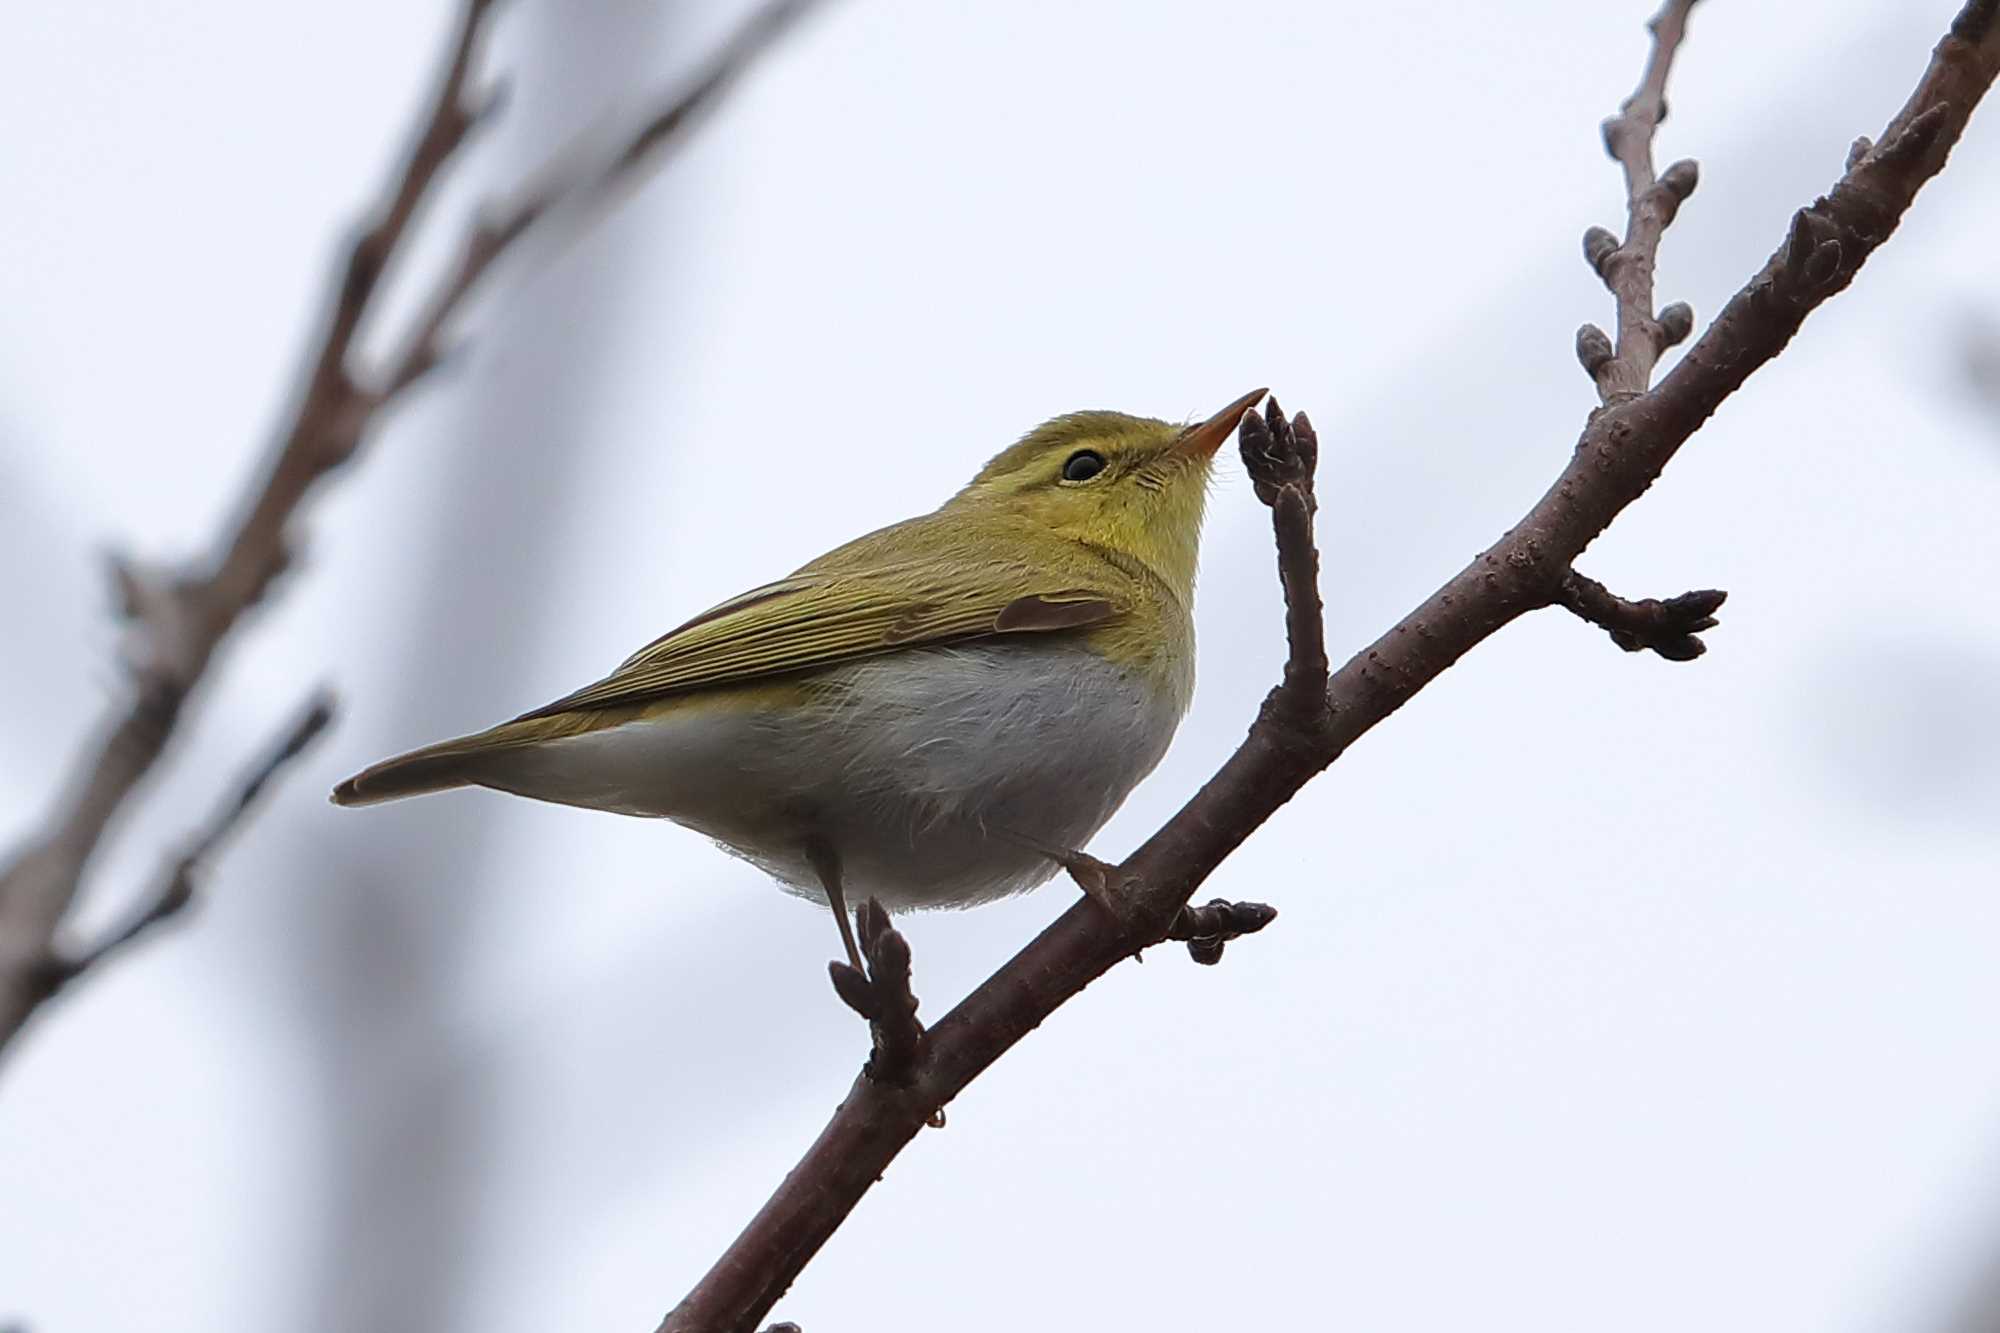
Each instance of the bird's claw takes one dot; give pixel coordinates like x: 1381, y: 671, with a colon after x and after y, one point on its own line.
x: 1107, y: 885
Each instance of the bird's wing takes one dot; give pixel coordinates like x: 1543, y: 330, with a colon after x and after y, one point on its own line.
x: 817, y: 618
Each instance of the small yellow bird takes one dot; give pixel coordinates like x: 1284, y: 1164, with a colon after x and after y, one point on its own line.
x: 926, y: 713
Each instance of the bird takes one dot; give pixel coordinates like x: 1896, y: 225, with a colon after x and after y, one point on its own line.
x: 936, y: 714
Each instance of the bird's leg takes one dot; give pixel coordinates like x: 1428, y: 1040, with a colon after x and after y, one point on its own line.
x: 1101, y: 882
x: 826, y: 865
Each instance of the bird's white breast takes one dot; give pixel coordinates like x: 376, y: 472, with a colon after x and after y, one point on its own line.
x: 934, y: 774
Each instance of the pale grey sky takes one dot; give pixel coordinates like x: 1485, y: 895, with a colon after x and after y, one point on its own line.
x: 1607, y: 992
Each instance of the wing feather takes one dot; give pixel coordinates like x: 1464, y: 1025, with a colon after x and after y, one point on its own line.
x: 818, y: 618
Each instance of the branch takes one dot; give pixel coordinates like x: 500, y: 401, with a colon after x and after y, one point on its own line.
x: 1281, y: 458
x: 1625, y: 370
x: 1301, y: 728
x: 175, y: 890
x: 883, y: 995
x: 1669, y: 628
x: 1626, y: 267
x: 177, y: 619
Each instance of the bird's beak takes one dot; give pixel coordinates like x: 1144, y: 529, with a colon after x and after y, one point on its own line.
x: 1203, y: 440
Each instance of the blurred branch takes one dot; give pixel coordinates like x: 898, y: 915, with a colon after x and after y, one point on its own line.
x: 178, y: 618
x: 176, y: 888
x: 1308, y: 720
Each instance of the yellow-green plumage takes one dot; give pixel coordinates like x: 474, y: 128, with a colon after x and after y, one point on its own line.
x: 1069, y: 570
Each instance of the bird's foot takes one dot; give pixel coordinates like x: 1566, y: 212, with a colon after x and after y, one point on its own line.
x: 1107, y: 885
x: 880, y: 992
x: 1103, y: 883
x: 1203, y: 929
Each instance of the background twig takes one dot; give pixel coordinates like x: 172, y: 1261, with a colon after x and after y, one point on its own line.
x: 176, y: 888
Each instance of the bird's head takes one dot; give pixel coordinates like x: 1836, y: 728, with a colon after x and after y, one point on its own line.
x: 1134, y: 485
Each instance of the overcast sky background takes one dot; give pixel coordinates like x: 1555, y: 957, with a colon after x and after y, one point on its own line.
x: 1607, y: 992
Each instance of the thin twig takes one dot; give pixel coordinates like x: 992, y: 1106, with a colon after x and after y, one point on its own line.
x: 1670, y: 628
x: 175, y: 889
x: 1623, y: 448
x: 1281, y: 457
x: 882, y: 995
x: 1625, y: 367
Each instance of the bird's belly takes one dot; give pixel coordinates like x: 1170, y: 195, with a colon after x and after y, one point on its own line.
x: 934, y: 774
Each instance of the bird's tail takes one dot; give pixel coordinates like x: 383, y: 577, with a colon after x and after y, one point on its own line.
x: 460, y: 762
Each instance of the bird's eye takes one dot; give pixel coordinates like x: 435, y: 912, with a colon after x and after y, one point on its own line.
x: 1083, y: 465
